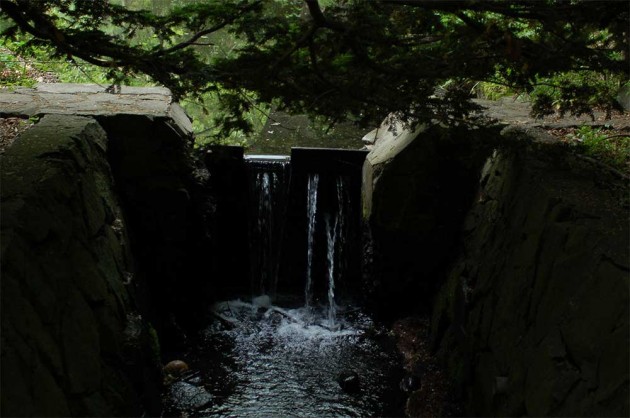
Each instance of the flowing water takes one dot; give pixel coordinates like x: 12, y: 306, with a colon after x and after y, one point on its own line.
x: 269, y: 178
x: 311, y: 211
x: 331, y: 232
x: 274, y: 362
x: 291, y: 355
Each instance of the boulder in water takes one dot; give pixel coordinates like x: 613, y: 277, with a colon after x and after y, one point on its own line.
x: 189, y: 397
x: 175, y: 368
x: 349, y: 381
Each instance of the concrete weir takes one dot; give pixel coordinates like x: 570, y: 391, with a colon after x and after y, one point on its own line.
x: 327, y: 160
x: 245, y: 181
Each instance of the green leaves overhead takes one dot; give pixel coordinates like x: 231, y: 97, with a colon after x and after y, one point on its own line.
x: 358, y: 59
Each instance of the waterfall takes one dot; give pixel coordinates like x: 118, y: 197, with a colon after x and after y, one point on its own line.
x: 331, y: 233
x: 264, y: 226
x: 311, y: 208
x: 333, y: 207
x: 268, y: 194
x: 327, y: 230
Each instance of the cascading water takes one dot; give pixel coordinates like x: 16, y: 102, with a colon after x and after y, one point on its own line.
x: 333, y: 214
x: 269, y: 193
x: 273, y: 362
x: 311, y: 211
x: 264, y: 229
x: 286, y: 358
x: 331, y: 232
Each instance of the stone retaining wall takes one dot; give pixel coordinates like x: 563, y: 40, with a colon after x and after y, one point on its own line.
x: 70, y: 339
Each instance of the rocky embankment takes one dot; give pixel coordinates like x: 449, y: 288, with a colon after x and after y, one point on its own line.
x: 67, y: 341
x: 101, y: 232
x: 519, y: 249
x: 533, y: 317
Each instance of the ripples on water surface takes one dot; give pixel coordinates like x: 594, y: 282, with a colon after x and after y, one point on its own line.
x: 274, y: 362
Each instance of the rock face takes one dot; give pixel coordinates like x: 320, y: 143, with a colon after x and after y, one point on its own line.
x: 92, y: 100
x: 159, y: 187
x: 533, y: 318
x: 102, y: 239
x: 417, y: 187
x: 161, y: 192
x: 528, y: 254
x: 65, y: 263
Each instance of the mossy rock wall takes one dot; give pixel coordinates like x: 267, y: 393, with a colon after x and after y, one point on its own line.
x: 71, y: 343
x: 533, y: 318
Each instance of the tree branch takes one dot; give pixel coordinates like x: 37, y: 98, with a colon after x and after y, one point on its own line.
x: 307, y: 37
x: 318, y: 17
x: 44, y: 29
x: 204, y: 32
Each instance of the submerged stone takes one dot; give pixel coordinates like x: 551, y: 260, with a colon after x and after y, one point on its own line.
x: 349, y: 381
x: 189, y: 397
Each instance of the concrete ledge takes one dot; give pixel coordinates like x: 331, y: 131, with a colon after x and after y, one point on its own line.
x: 324, y: 160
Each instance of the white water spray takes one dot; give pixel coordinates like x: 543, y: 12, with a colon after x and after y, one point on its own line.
x: 331, y: 233
x: 313, y: 182
x: 269, y: 194
x: 265, y: 228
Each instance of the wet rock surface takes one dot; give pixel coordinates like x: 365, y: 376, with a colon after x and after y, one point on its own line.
x: 349, y: 381
x: 72, y: 278
x: 160, y: 186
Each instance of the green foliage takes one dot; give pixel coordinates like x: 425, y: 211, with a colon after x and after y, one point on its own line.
x: 19, y: 52
x: 203, y: 109
x: 13, y: 72
x: 492, y: 91
x: 577, y: 93
x: 208, y: 116
x: 611, y: 149
x: 346, y: 59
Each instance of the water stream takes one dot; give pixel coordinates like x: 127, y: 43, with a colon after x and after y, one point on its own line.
x: 286, y: 355
x: 311, y: 208
x: 269, y: 178
x: 331, y: 233
x: 283, y: 362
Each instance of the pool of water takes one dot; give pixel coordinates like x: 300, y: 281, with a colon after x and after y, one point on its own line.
x: 269, y: 361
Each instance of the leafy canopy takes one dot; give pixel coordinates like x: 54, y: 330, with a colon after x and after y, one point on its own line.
x: 357, y: 59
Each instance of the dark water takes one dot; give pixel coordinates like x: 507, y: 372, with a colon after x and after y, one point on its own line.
x: 275, y: 362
